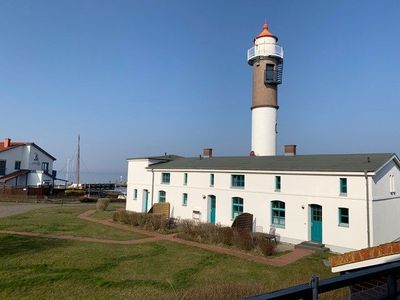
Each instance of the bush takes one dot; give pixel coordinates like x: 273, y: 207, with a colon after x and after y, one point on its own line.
x: 225, y: 235
x: 156, y: 222
x: 266, y: 246
x: 243, y: 240
x: 102, y: 203
x: 74, y: 193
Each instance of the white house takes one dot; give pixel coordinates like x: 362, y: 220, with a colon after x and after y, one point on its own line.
x: 25, y: 164
x: 346, y: 202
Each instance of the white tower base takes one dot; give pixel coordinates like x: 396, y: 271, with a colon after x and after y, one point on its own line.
x: 263, y: 131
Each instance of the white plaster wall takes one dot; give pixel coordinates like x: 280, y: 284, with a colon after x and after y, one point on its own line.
x: 265, y: 40
x: 263, y: 131
x: 385, y: 206
x: 11, y: 156
x: 42, y: 157
x: 35, y: 178
x: 138, y: 178
x: 297, y: 191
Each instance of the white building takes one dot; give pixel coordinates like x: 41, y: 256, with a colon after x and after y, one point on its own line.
x: 25, y: 164
x: 345, y: 201
x: 323, y: 198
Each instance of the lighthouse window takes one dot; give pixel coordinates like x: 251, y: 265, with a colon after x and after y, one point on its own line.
x: 269, y: 73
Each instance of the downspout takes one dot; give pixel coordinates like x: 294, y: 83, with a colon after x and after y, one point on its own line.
x: 367, y: 198
x: 152, y: 186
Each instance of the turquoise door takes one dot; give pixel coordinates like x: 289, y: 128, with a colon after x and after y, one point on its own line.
x: 213, y: 208
x: 316, y: 223
x: 146, y: 200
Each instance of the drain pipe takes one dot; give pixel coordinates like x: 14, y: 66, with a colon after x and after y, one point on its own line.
x: 152, y: 187
x: 367, y: 198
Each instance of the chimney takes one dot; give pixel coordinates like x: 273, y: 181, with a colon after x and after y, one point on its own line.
x: 207, y: 152
x: 290, y: 150
x: 6, y: 142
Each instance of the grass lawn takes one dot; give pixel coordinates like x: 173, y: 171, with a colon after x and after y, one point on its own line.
x: 63, y: 220
x: 41, y: 268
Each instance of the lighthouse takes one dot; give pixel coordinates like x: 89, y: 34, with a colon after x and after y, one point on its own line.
x: 266, y: 58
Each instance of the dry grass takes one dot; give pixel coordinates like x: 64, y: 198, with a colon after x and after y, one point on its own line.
x: 102, y: 203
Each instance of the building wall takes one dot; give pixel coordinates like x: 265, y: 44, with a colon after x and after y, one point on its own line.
x: 386, y: 206
x: 42, y: 157
x: 26, y: 155
x: 298, y: 191
x: 12, y: 155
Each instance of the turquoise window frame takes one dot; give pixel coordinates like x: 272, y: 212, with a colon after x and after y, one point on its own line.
x: 344, y: 216
x: 278, y: 213
x: 343, y: 186
x: 212, y: 179
x: 278, y: 181
x: 184, y: 199
x: 162, y: 196
x: 165, y: 178
x: 135, y: 194
x: 237, y: 181
x: 237, y: 206
x: 185, y: 178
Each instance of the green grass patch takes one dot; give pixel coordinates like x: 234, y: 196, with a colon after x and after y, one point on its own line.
x: 63, y: 220
x: 39, y: 268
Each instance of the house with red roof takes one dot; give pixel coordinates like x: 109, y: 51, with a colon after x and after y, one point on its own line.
x: 25, y: 164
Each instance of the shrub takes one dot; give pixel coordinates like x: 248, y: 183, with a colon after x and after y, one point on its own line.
x: 243, y: 240
x: 74, y: 193
x: 102, y: 203
x: 266, y: 246
x: 225, y: 235
x: 156, y: 222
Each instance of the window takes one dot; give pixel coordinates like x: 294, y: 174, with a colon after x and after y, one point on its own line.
x: 392, y: 185
x: 2, y: 167
x: 184, y: 199
x: 269, y: 73
x: 237, y: 206
x: 17, y: 165
x: 161, y: 196
x: 45, y: 166
x: 343, y: 186
x: 277, y: 183
x: 211, y: 179
x: 343, y: 216
x: 278, y: 213
x: 237, y: 181
x: 134, y: 194
x: 185, y: 178
x: 165, y: 178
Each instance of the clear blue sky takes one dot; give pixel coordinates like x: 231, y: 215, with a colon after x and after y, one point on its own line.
x: 138, y: 78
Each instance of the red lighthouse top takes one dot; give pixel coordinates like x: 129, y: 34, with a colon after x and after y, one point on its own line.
x: 265, y: 33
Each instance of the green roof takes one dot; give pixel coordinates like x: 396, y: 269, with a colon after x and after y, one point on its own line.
x: 322, y: 162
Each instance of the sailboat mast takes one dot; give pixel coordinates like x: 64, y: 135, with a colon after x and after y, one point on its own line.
x: 78, y: 161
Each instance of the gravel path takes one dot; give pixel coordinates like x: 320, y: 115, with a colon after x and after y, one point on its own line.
x: 9, y: 208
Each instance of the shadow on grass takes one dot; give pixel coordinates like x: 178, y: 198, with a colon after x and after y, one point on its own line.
x: 16, y: 245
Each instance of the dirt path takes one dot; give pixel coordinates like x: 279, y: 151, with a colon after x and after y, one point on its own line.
x: 279, y: 261
x: 282, y: 260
